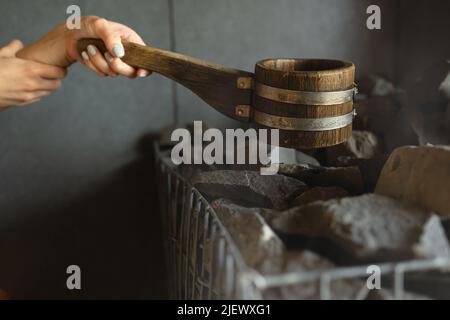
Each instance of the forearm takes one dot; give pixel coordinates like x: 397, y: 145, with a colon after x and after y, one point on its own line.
x: 59, y: 47
x: 51, y: 49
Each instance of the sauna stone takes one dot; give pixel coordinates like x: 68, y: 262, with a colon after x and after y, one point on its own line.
x: 361, y: 145
x: 257, y: 242
x: 370, y: 227
x: 301, y: 171
x: 388, y: 294
x: 320, y: 193
x: 264, y: 251
x: 419, y: 175
x: 385, y: 117
x: 348, y: 178
x: 374, y: 85
x: 370, y: 168
x: 249, y: 188
x: 292, y: 156
x: 306, y: 260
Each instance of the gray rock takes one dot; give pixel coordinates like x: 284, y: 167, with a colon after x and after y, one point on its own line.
x: 348, y: 178
x: 368, y: 227
x: 303, y: 157
x: 263, y: 251
x: 304, y: 261
x: 361, y: 145
x: 249, y: 188
x: 292, y: 156
x: 259, y: 246
x: 320, y: 193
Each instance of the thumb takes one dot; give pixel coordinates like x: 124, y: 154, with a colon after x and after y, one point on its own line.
x: 11, y: 49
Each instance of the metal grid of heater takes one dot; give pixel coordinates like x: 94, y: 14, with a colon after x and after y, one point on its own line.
x: 204, y: 263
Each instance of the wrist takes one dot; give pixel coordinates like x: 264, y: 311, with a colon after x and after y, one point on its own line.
x: 51, y: 49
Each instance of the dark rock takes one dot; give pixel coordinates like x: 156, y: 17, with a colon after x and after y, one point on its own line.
x: 348, y: 178
x: 370, y: 168
x: 388, y: 294
x: 368, y: 227
x: 446, y: 225
x: 249, y: 188
x: 375, y: 85
x: 300, y: 171
x: 320, y: 193
x: 387, y: 119
x: 433, y: 284
x: 427, y: 102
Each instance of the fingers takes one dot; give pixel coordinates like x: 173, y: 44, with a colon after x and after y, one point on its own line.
x: 90, y: 65
x: 22, y: 104
x: 11, y: 49
x: 113, y: 43
x: 110, y: 36
x: 49, y: 85
x: 107, y: 65
x: 26, y: 98
x: 50, y: 72
x: 120, y: 67
x: 99, y: 61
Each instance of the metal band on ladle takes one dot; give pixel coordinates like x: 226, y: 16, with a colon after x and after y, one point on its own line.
x: 303, y: 124
x: 304, y: 97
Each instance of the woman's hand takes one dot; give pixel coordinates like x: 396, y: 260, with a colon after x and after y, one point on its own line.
x: 23, y: 82
x: 59, y: 47
x: 112, y: 34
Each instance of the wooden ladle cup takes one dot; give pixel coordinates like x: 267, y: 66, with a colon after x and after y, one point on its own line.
x: 309, y: 100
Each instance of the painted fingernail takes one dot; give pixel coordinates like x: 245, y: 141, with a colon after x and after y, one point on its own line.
x: 142, y: 73
x: 108, y: 57
x: 118, y: 51
x: 85, y: 55
x: 92, y: 50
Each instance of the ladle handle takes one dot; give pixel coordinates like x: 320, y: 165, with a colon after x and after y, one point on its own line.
x: 227, y: 90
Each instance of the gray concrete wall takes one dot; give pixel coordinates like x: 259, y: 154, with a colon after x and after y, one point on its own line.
x: 73, y: 187
x: 239, y: 33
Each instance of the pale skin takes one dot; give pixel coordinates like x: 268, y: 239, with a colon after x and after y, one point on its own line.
x: 31, y: 73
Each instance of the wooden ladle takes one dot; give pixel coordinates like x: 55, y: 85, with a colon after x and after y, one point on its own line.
x: 309, y: 100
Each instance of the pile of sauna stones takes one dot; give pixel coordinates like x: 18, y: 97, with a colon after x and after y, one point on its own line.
x: 310, y: 218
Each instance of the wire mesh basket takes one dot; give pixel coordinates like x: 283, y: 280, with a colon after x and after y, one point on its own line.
x: 204, y: 262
